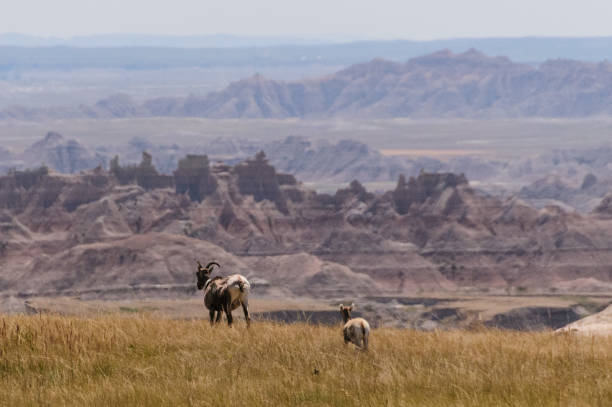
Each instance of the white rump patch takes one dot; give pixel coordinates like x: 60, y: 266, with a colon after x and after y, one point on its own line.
x: 233, y: 285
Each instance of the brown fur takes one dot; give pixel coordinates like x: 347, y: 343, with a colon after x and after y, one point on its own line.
x: 218, y: 295
x: 355, y: 330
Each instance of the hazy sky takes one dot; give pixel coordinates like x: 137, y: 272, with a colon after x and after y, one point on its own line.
x: 424, y: 19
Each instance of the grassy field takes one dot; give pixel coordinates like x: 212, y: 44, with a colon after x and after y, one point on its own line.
x: 143, y: 360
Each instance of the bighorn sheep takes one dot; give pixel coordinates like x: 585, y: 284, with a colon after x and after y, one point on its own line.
x: 356, y: 330
x: 223, y: 293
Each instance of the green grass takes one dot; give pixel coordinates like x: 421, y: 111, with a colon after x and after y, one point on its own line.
x: 140, y: 360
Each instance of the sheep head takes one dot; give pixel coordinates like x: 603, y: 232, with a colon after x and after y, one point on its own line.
x: 203, y: 273
x: 346, y: 312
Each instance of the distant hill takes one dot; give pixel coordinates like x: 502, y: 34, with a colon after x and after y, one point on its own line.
x: 159, y: 52
x: 152, y: 40
x: 442, y: 84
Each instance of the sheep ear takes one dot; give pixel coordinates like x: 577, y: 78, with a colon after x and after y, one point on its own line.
x: 341, y: 307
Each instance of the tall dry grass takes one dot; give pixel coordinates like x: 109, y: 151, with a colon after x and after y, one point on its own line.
x: 141, y: 360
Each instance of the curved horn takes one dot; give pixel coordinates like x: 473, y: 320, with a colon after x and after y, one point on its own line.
x: 212, y: 263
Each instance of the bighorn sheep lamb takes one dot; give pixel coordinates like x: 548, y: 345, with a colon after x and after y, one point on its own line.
x: 223, y: 293
x: 356, y: 330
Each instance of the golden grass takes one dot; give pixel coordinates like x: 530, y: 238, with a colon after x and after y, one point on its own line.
x: 176, y: 308
x: 142, y: 360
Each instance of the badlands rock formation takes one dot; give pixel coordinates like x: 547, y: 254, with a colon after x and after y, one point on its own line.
x: 132, y: 227
x: 560, y: 177
x: 596, y: 324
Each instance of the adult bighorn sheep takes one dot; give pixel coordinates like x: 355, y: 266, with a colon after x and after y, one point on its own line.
x: 356, y: 330
x: 223, y: 294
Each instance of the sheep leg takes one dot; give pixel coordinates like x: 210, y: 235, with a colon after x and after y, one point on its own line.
x: 211, y: 314
x: 245, y: 308
x: 228, y: 314
x: 219, y: 313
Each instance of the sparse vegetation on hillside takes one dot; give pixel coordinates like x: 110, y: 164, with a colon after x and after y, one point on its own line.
x: 140, y: 360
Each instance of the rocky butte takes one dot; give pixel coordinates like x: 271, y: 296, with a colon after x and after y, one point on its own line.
x: 441, y: 84
x: 132, y: 228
